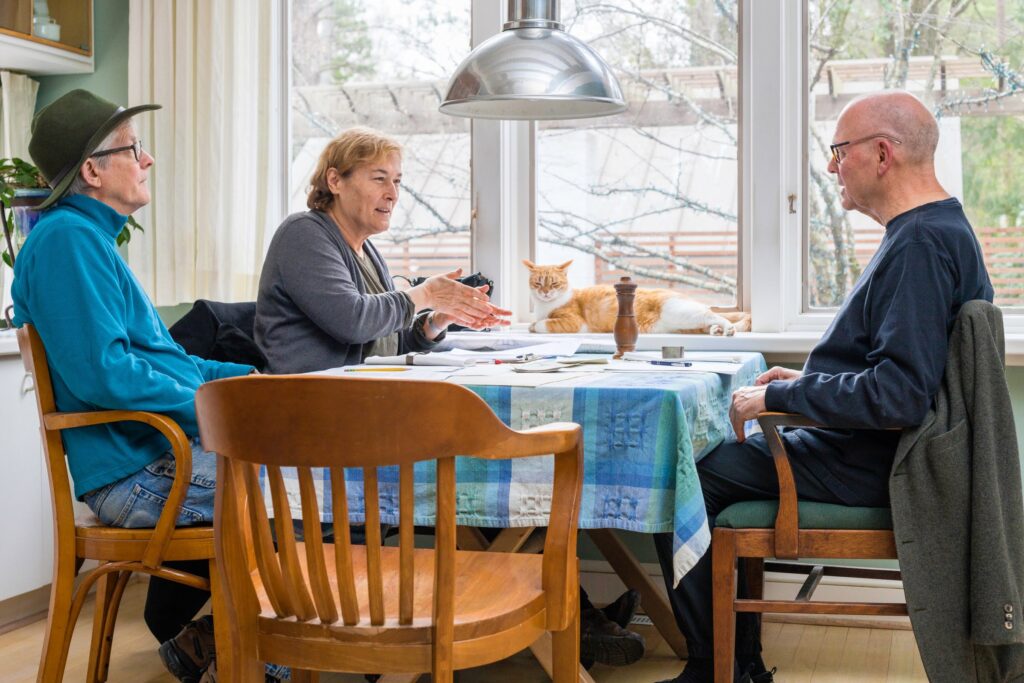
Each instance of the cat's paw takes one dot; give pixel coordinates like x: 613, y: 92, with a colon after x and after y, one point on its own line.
x: 716, y: 331
x: 730, y: 330
x: 538, y: 326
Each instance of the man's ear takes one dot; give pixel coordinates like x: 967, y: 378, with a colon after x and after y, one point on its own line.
x: 885, y: 156
x: 90, y: 173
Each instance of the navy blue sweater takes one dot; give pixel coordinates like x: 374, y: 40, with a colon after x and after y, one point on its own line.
x: 881, y: 361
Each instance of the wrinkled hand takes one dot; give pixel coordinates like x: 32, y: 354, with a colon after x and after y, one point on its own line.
x: 784, y: 374
x: 747, y: 403
x: 458, y: 303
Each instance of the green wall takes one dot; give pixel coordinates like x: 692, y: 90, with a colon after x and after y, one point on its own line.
x: 110, y: 52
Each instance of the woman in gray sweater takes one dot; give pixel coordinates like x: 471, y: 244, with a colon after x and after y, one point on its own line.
x: 326, y: 297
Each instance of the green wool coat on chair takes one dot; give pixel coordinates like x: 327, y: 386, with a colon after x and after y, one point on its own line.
x: 958, y: 514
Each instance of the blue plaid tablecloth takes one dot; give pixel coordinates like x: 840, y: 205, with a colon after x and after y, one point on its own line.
x: 643, y: 434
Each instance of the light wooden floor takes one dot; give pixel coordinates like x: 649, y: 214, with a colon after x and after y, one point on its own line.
x: 803, y: 654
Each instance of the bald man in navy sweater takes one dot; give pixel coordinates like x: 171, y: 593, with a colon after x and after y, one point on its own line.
x: 877, y: 367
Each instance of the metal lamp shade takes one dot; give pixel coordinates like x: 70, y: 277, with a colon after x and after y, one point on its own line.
x: 533, y: 73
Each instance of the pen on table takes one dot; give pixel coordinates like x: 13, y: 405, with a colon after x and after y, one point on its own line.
x: 678, y: 363
x: 376, y: 369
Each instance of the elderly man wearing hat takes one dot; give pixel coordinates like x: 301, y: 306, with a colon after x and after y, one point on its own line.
x: 108, y: 349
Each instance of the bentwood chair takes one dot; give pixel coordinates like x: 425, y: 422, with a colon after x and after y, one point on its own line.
x: 118, y: 551
x: 788, y: 529
x: 369, y: 608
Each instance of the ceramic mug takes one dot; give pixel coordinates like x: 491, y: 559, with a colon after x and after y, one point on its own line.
x: 49, y: 30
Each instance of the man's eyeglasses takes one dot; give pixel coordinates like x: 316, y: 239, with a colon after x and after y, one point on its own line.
x: 836, y: 147
x: 135, y: 147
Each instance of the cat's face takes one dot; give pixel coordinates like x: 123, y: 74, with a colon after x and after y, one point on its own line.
x: 548, y: 283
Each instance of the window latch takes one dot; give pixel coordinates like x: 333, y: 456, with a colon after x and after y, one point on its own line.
x: 792, y: 203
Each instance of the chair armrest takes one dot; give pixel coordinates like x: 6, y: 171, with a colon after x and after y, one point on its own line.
x: 787, y: 522
x: 157, y: 546
x: 560, y: 578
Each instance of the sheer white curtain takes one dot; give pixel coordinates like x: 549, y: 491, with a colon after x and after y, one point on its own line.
x: 217, y: 186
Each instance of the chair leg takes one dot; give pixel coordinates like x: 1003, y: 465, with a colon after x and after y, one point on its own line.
x: 55, y: 642
x: 113, y: 604
x: 723, y: 579
x: 104, y: 591
x: 303, y: 676
x: 566, y: 651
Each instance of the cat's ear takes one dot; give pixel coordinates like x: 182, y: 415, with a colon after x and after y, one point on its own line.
x: 565, y: 266
x: 529, y: 264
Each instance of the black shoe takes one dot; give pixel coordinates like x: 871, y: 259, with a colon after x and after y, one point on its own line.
x: 622, y: 610
x: 604, y: 641
x: 695, y: 671
x: 756, y: 673
x: 188, y: 654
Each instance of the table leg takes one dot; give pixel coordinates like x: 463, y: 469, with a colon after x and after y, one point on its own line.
x: 633, y: 575
x: 399, y: 678
x: 470, y: 538
x: 541, y: 649
x: 510, y: 540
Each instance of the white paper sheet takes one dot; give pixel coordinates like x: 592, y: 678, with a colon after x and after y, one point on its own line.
x: 463, y: 357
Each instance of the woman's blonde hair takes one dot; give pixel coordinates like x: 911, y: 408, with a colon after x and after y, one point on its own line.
x: 355, y: 146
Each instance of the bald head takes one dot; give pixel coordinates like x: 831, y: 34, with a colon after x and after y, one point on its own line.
x: 900, y: 114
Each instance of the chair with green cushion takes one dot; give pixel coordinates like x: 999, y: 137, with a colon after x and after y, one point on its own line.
x: 788, y: 529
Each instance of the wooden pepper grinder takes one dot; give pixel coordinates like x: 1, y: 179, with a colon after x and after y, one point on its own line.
x: 626, y: 329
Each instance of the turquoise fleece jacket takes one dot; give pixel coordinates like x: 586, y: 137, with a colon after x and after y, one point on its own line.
x: 106, y: 346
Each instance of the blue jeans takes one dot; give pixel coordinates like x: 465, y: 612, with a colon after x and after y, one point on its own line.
x: 137, y: 501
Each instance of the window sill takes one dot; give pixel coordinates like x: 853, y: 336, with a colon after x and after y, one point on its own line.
x: 777, y: 347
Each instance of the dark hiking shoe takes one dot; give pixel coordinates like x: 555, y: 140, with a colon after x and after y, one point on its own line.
x: 188, y: 654
x: 604, y: 641
x: 622, y: 610
x: 758, y: 674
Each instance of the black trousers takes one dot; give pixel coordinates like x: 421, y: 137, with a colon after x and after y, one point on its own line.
x: 732, y: 473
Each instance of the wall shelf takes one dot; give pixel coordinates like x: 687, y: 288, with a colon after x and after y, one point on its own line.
x: 37, y: 56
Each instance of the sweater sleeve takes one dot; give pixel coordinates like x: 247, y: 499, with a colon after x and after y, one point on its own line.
x: 317, y: 279
x: 907, y: 314
x: 81, y: 315
x: 212, y: 369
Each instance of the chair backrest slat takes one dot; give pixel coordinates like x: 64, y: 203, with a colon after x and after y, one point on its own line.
x: 322, y: 596
x: 374, y: 569
x: 343, y: 548
x: 407, y: 571
x: 444, y: 551
x: 266, y: 564
x: 297, y: 589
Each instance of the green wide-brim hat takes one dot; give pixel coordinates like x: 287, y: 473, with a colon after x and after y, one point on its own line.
x: 69, y: 129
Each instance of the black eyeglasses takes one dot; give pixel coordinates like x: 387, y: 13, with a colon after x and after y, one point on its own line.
x: 135, y: 147
x: 835, y: 148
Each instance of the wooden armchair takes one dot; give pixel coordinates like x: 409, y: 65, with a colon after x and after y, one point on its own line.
x: 119, y: 551
x: 374, y: 609
x: 788, y: 529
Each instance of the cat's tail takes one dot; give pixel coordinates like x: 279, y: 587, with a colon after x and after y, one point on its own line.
x: 739, y: 319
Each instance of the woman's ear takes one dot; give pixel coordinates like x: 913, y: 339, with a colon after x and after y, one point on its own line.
x: 334, y: 180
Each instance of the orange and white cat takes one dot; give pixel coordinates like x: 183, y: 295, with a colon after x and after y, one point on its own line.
x: 561, y: 309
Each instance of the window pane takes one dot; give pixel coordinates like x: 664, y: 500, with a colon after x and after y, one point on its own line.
x: 963, y: 59
x: 651, y: 193
x: 385, y: 64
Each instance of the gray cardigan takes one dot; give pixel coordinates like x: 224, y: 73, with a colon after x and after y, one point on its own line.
x: 313, y: 311
x: 958, y: 514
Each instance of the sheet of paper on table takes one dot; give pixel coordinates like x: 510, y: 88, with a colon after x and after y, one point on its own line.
x: 436, y: 373
x: 463, y: 357
x: 512, y: 379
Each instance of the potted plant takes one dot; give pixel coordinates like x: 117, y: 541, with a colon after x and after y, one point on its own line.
x: 23, y: 187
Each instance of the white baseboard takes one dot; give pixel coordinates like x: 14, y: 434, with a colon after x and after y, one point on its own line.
x: 603, y: 585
